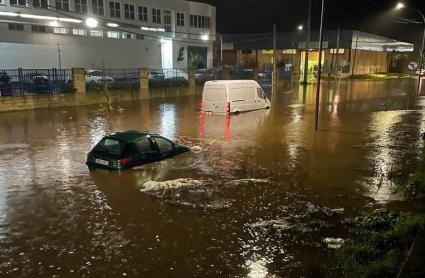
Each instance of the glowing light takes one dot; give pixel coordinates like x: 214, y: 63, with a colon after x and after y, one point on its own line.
x: 145, y: 28
x: 300, y: 27
x: 205, y: 37
x: 8, y: 14
x: 400, y: 6
x: 91, y: 22
x: 70, y: 20
x: 112, y: 25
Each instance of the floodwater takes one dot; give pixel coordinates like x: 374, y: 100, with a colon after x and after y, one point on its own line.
x: 57, y: 219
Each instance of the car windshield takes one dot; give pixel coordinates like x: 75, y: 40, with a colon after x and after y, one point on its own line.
x: 110, y: 146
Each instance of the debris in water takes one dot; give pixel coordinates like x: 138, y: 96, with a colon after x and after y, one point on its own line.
x: 334, y: 243
x: 338, y: 210
x: 196, y: 149
x: 171, y: 184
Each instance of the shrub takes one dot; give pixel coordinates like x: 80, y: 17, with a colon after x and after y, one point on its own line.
x: 166, y: 83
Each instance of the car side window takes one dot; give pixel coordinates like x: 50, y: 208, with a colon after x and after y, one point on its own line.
x: 260, y: 93
x: 145, y: 146
x: 164, y: 145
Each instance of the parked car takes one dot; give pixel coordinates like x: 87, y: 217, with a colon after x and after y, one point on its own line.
x: 97, y: 76
x: 208, y: 75
x: 175, y: 74
x: 199, y: 72
x: 233, y: 96
x: 422, y: 72
x: 155, y: 74
x: 127, y: 149
x: 238, y: 74
x: 38, y: 83
x: 5, y: 85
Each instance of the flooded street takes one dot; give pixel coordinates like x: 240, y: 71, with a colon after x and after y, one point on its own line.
x: 280, y: 178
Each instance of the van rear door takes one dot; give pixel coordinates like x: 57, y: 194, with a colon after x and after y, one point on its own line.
x: 215, y: 98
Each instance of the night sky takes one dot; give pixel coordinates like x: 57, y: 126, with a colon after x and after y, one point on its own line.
x: 373, y: 16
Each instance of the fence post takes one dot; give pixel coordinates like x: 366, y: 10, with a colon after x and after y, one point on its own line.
x: 226, y: 73
x: 20, y: 80
x: 79, y: 77
x: 192, y: 81
x: 144, y: 83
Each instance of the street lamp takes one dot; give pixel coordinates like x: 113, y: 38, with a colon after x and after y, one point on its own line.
x: 402, y: 6
x: 300, y: 27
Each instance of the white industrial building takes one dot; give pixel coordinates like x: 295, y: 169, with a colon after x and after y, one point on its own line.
x: 129, y: 33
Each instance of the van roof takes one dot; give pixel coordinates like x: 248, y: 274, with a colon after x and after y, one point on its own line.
x: 219, y: 82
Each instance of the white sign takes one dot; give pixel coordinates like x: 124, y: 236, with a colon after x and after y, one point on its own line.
x: 412, y: 65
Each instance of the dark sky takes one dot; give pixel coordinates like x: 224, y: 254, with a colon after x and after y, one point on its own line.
x: 373, y: 16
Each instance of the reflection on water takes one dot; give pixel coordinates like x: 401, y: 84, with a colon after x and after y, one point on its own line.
x: 59, y: 220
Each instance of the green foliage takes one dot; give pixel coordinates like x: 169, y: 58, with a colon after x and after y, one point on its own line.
x: 415, y: 186
x: 166, y: 83
x: 195, y: 60
x: 383, y: 238
x: 68, y: 88
x: 93, y: 86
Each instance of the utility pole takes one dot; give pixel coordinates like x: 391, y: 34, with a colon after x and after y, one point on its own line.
x: 319, y: 73
x: 274, y: 82
x: 307, y: 44
x: 337, y: 52
x: 354, y: 58
x: 60, y: 62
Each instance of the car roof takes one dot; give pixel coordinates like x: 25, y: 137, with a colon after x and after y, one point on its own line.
x: 131, y: 136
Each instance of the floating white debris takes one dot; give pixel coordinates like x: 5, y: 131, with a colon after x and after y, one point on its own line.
x: 338, y: 210
x: 196, y: 149
x: 171, y: 184
x: 334, y: 243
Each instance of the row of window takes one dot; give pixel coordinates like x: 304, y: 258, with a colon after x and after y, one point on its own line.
x: 130, y: 12
x: 290, y: 51
x: 77, y: 32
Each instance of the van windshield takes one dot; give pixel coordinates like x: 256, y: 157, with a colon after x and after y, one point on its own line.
x: 110, y: 146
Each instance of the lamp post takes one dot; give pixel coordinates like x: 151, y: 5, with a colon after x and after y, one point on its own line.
x: 319, y: 71
x: 402, y: 6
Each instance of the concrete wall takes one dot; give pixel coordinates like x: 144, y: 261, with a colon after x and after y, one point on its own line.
x: 81, y: 97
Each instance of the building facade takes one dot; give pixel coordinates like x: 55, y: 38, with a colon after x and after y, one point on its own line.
x: 355, y: 52
x: 102, y: 33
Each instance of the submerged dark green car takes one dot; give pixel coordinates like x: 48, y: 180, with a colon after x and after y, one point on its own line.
x: 127, y: 149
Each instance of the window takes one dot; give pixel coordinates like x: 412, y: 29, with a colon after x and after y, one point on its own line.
x: 15, y: 26
x: 127, y: 36
x: 115, y: 9
x: 40, y: 4
x: 36, y: 28
x: 140, y: 37
x: 18, y: 2
x: 260, y: 93
x: 267, y: 52
x: 98, y: 8
x: 110, y: 146
x: 96, y: 33
x: 143, y: 13
x: 167, y: 20
x: 180, y: 19
x: 199, y: 21
x: 289, y: 51
x: 156, y: 15
x: 246, y: 51
x: 129, y: 11
x: 337, y: 51
x: 62, y: 5
x: 60, y: 30
x: 81, y: 6
x: 79, y: 32
x: 164, y: 145
x: 145, y: 146
x: 113, y: 34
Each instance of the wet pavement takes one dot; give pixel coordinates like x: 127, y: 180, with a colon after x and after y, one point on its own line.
x: 280, y: 181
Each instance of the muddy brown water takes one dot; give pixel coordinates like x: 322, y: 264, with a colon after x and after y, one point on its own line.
x: 57, y: 219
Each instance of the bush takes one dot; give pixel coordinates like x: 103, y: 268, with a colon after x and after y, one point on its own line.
x: 166, y: 83
x: 93, y: 86
x: 68, y: 88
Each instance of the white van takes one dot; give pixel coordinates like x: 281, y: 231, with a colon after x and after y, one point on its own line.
x: 232, y: 96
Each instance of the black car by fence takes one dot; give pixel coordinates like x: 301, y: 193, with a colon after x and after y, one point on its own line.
x: 38, y: 84
x: 5, y: 85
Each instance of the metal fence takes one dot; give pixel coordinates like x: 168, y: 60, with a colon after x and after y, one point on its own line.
x: 176, y: 74
x: 19, y: 82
